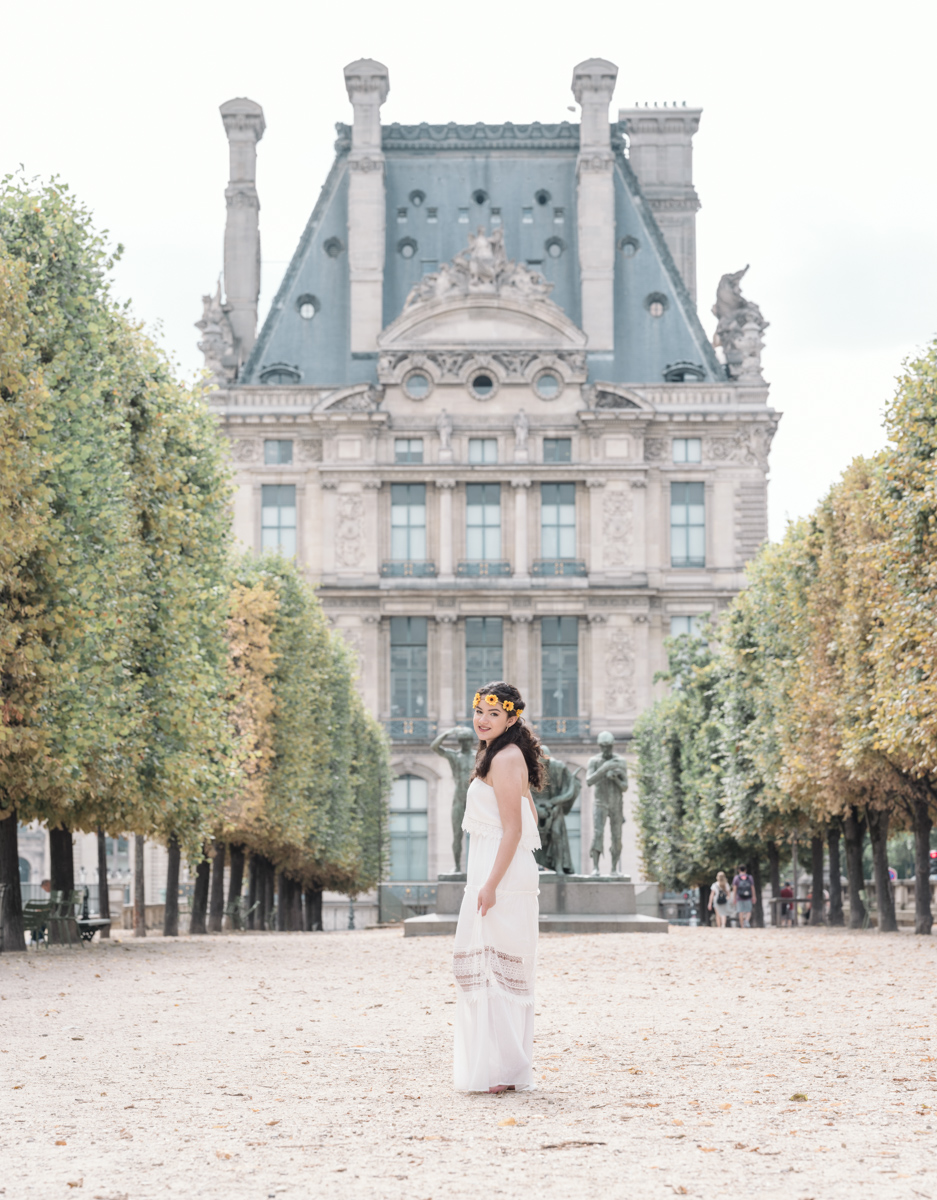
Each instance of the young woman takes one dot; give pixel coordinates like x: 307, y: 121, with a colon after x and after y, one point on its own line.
x: 496, y: 938
x: 719, y: 897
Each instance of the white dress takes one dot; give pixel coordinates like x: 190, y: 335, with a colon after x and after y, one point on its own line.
x: 495, y: 955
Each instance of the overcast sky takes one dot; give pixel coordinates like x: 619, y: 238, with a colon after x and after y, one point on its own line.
x: 815, y: 160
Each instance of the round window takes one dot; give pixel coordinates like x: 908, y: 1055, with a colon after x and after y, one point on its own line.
x: 628, y: 246
x: 406, y: 247
x: 417, y: 198
x: 307, y: 307
x: 333, y: 246
x: 656, y: 304
x: 483, y: 386
x: 542, y: 197
x: 555, y: 247
x: 417, y: 385
x: 547, y: 386
x: 656, y: 309
x: 479, y: 197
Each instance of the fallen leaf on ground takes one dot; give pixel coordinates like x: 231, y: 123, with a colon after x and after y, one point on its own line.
x: 799, y: 1096
x: 508, y: 1121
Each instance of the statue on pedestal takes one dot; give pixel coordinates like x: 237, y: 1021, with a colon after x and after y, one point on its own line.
x: 462, y: 762
x: 607, y: 772
x: 557, y: 798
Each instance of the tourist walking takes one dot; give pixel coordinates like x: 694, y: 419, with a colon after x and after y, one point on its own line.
x: 719, y: 899
x: 496, y: 937
x: 743, y: 893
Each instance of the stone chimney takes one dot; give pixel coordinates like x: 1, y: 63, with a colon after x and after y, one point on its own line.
x: 244, y: 124
x: 593, y: 85
x: 368, y: 83
x: 661, y: 141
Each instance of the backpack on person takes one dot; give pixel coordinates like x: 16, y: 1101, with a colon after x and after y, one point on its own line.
x: 744, y: 889
x: 721, y: 897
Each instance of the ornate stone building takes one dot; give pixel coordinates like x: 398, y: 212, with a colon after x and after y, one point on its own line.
x: 483, y: 413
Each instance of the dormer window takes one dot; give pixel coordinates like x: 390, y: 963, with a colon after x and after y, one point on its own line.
x: 417, y: 199
x: 281, y: 373
x: 401, y: 216
x: 307, y: 306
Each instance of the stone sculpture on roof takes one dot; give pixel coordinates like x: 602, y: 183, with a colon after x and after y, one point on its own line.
x: 482, y: 269
x: 740, y: 329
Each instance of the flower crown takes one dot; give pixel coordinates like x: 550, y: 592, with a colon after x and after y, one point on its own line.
x: 507, y: 705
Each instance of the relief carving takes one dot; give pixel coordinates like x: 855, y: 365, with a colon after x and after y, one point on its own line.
x: 617, y: 529
x: 655, y: 448
x: 349, y: 530
x: 749, y: 447
x: 619, y: 663
x: 248, y: 450
x: 310, y: 450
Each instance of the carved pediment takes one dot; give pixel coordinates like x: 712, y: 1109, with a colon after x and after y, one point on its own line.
x: 359, y: 397
x: 616, y: 395
x: 482, y: 299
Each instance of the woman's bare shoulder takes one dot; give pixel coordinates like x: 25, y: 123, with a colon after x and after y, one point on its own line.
x: 510, y: 756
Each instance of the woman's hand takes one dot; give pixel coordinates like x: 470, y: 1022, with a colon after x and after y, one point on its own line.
x: 486, y: 897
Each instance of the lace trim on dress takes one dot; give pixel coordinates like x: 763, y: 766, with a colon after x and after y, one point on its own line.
x: 481, y: 967
x: 471, y: 825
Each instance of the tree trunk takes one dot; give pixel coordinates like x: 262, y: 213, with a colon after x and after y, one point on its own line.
x: 235, y: 883
x: 297, y: 923
x: 816, y: 885
x: 200, y: 897
x: 104, y: 898
x: 62, y: 861
x: 314, y: 909
x: 171, y: 909
x: 884, y: 900
x: 854, y: 836
x: 774, y: 878
x: 283, y: 907
x: 253, y: 892
x: 836, y: 878
x: 216, y: 912
x: 758, y: 908
x: 923, y: 823
x: 270, y: 894
x: 12, y: 936
x: 139, y: 888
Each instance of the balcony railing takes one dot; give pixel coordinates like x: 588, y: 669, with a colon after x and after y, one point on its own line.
x: 410, y: 729
x: 484, y: 568
x: 562, y: 727
x: 559, y: 566
x: 400, y: 568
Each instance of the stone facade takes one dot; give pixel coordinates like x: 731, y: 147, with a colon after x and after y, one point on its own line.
x: 483, y: 414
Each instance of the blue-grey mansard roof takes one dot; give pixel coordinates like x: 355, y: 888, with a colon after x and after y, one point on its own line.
x: 444, y: 181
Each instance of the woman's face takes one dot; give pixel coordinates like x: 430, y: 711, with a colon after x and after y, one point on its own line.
x: 490, y: 720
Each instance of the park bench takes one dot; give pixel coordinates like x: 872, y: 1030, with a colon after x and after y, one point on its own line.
x: 88, y: 926
x: 238, y: 912
x: 36, y: 916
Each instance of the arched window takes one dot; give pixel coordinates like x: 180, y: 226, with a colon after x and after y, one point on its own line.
x: 408, y: 829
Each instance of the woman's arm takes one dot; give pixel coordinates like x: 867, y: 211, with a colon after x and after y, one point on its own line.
x: 508, y: 777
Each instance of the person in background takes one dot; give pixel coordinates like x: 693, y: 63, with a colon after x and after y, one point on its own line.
x: 46, y: 886
x: 787, y: 896
x: 719, y: 899
x: 743, y: 893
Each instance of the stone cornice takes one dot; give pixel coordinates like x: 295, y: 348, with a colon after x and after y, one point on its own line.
x: 452, y: 136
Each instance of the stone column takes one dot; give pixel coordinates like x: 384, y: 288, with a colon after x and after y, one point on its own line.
x: 522, y: 676
x: 444, y: 489
x: 593, y: 84
x: 244, y: 124
x: 445, y: 625
x: 368, y: 83
x: 521, y: 548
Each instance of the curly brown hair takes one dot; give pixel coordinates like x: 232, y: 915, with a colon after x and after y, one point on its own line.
x: 519, y: 734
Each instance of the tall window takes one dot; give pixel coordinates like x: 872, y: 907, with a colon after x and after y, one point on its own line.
x: 278, y: 453
x: 408, y: 828
x: 558, y: 520
x: 483, y: 521
x: 408, y: 450
x: 408, y: 522
x: 278, y: 517
x: 408, y: 666
x: 484, y: 657
x: 559, y: 648
x: 690, y: 626
x: 687, y: 525
x: 483, y: 450
x: 557, y: 450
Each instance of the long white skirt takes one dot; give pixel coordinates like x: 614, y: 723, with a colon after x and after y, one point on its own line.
x: 494, y: 963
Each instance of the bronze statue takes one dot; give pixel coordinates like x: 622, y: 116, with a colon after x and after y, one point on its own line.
x: 607, y: 772
x: 462, y: 762
x: 553, y: 803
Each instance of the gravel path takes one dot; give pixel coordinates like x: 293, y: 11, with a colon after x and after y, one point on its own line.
x: 300, y: 1065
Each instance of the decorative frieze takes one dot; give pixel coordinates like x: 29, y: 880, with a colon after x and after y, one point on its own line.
x: 617, y: 529
x: 349, y: 530
x: 619, y: 668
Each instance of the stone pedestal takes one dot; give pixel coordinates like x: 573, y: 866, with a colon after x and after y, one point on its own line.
x: 568, y: 904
